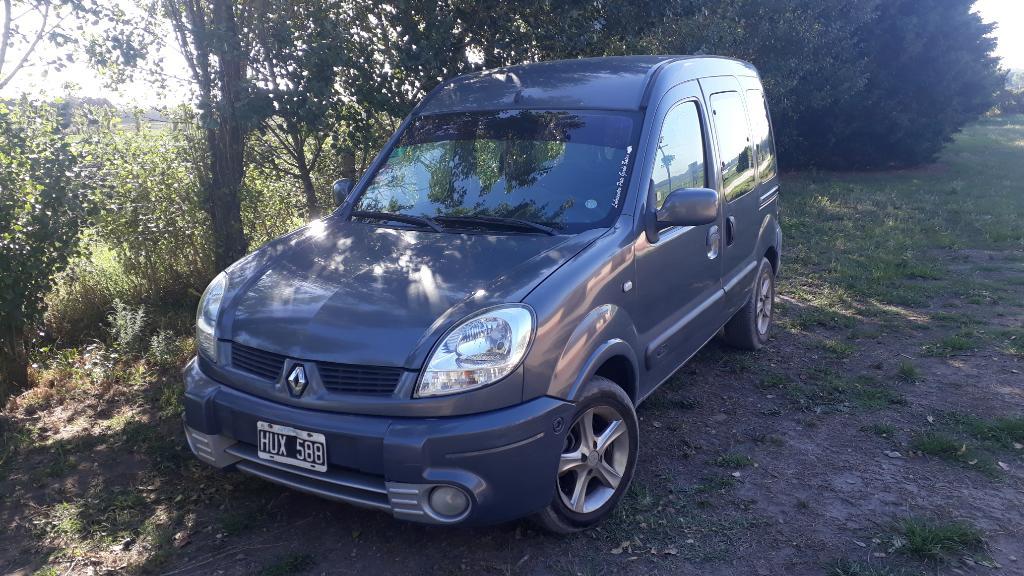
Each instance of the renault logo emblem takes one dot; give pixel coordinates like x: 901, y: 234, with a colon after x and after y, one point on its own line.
x: 297, y: 380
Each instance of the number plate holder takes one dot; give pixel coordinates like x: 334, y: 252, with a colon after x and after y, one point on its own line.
x: 292, y: 446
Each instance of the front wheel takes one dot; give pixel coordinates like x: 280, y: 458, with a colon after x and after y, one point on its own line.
x: 597, y: 460
x: 750, y: 326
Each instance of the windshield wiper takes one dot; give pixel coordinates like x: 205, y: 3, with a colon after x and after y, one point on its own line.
x: 396, y: 217
x: 500, y: 221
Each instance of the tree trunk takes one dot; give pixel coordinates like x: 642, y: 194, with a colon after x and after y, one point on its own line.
x: 226, y: 140
x: 13, y: 362
x: 312, y: 206
x: 305, y: 172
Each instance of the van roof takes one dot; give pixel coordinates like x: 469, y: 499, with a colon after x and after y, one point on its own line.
x: 605, y: 83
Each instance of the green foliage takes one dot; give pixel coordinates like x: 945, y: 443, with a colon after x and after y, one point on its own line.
x: 44, y: 202
x: 152, y: 216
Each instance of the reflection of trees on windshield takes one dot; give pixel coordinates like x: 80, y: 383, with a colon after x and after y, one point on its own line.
x: 525, y: 165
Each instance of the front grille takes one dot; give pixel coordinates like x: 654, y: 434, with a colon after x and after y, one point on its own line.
x: 359, y: 379
x: 255, y: 361
x: 344, y: 378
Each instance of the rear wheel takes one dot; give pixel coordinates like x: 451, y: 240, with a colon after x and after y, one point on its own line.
x: 597, y: 461
x: 750, y: 327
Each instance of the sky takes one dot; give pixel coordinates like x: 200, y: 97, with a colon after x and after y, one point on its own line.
x: 78, y: 79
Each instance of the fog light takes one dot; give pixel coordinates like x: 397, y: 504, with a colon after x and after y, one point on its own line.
x: 448, y: 501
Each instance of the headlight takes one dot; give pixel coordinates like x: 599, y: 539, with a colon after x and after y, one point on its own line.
x: 206, y: 317
x: 482, y: 349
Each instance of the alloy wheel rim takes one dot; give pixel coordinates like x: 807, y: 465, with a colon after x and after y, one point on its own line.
x: 593, y: 460
x: 764, y: 304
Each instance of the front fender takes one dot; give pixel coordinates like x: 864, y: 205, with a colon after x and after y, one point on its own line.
x: 604, y: 333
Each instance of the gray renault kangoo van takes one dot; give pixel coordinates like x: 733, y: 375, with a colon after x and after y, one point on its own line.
x: 467, y: 337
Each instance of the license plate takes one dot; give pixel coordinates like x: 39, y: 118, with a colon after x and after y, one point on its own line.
x: 292, y: 446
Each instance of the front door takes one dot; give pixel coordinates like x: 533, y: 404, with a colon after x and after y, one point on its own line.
x: 678, y: 276
x: 737, y: 183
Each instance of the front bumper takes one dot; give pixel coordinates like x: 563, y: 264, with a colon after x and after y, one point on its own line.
x: 504, y: 460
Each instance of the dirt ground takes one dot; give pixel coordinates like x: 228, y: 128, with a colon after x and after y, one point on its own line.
x: 820, y: 487
x: 891, y: 396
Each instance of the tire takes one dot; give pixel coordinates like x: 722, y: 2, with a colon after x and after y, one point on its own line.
x: 750, y: 327
x: 608, y: 408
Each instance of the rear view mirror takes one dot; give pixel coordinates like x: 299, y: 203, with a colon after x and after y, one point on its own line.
x: 341, y: 188
x: 689, y: 207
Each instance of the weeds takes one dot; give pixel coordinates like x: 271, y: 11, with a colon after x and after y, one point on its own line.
x: 883, y: 430
x: 126, y: 326
x: 733, y: 461
x: 948, y: 448
x: 1002, y: 432
x: 907, y: 372
x: 825, y: 391
x: 934, y: 539
x: 838, y: 349
x: 952, y: 345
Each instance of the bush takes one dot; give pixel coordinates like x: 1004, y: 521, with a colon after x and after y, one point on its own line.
x: 44, y: 202
x: 84, y: 294
x: 152, y: 216
x: 126, y: 326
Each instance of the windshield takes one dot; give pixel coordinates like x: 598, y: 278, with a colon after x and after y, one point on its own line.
x: 564, y: 169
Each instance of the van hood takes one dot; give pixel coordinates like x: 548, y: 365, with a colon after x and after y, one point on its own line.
x: 354, y: 293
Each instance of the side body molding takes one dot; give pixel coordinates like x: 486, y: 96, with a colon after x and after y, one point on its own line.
x: 604, y: 333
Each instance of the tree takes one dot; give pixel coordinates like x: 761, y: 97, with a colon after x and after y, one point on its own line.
x: 297, y: 49
x: 116, y: 41
x: 210, y: 39
x: 930, y: 71
x: 44, y: 202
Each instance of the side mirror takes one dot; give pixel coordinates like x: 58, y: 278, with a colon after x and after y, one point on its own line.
x: 689, y: 207
x: 341, y: 188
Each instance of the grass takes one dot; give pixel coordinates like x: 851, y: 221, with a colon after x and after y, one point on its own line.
x: 1013, y: 341
x: 936, y: 539
x: 864, y: 242
x: 838, y: 348
x: 879, y: 429
x: 824, y: 390
x: 907, y: 372
x: 952, y: 345
x: 946, y: 447
x: 1001, y: 432
x: 733, y: 460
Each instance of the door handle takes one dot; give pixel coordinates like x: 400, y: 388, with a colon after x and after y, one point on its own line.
x: 730, y: 230
x: 713, y: 242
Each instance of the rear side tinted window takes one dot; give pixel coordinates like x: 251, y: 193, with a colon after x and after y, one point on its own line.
x: 764, y: 141
x: 679, y: 159
x: 733, y: 143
